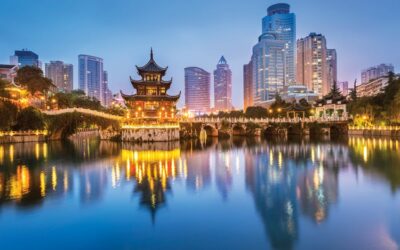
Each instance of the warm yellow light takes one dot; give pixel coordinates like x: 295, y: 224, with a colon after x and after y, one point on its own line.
x: 279, y: 110
x: 270, y: 111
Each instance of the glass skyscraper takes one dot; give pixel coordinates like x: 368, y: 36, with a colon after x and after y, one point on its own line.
x: 24, y: 57
x: 222, y: 86
x: 197, y: 90
x: 283, y: 24
x: 91, y: 76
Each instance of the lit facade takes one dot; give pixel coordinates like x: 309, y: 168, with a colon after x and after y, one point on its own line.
x: 91, y: 76
x: 222, y: 86
x: 372, y: 87
x: 312, y: 66
x: 268, y: 62
x: 283, y: 24
x: 197, y: 90
x: 248, y: 85
x: 376, y: 72
x: 61, y: 74
x: 151, y: 104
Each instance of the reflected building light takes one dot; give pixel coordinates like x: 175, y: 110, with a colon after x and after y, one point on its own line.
x: 280, y: 159
x: 54, y: 178
x: 312, y: 154
x: 365, y: 153
x: 65, y: 181
x: 117, y: 172
x: 11, y: 152
x: 173, y: 169
x: 42, y: 184
x: 44, y: 150
x: 128, y: 170
x: 1, y: 154
x: 113, y: 178
x: 237, y: 165
x: 37, y: 151
x: 185, y: 170
x: 271, y: 158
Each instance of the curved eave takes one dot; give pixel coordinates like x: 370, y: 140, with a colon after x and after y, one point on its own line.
x: 135, y: 97
x: 137, y: 83
x: 151, y: 67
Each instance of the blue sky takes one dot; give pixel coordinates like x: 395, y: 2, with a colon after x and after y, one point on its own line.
x: 192, y: 33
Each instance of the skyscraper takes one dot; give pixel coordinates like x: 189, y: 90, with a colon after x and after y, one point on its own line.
x: 331, y: 63
x: 344, y: 87
x: 283, y: 24
x: 197, y: 90
x: 268, y: 62
x: 91, y: 76
x: 376, y: 72
x: 312, y: 67
x: 247, y: 85
x: 61, y: 74
x: 222, y: 86
x: 25, y: 57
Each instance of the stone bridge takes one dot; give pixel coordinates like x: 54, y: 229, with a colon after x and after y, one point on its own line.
x: 268, y: 126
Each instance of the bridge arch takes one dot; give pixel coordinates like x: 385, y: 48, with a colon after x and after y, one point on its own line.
x: 238, y: 130
x: 211, y: 130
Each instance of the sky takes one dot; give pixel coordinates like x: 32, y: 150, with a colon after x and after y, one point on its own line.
x: 192, y: 33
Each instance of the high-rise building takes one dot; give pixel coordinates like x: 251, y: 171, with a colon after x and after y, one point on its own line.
x: 376, y: 72
x: 268, y: 62
x: 331, y: 62
x: 197, y: 90
x: 312, y: 63
x: 247, y: 85
x: 222, y: 86
x: 91, y: 76
x: 283, y: 24
x: 25, y: 57
x: 344, y: 87
x: 61, y: 74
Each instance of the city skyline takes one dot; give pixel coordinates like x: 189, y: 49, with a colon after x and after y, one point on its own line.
x: 120, y: 51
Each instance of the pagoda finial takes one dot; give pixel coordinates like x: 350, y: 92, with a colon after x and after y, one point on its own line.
x: 151, y: 53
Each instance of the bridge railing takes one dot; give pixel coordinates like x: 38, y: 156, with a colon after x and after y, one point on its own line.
x: 267, y: 120
x: 83, y: 111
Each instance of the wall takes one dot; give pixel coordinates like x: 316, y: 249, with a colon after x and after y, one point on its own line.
x: 150, y: 134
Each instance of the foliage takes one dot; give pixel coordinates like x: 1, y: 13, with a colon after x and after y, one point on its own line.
x: 77, y: 99
x: 29, y: 118
x: 353, y: 93
x: 8, y: 114
x: 256, y: 112
x: 3, y: 92
x: 32, y: 77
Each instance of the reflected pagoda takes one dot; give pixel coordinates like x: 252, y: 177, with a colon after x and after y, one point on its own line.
x: 152, y: 112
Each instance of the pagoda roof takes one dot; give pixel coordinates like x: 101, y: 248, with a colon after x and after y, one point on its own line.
x: 295, y: 107
x: 136, y: 83
x: 151, y: 66
x: 335, y: 98
x: 136, y: 97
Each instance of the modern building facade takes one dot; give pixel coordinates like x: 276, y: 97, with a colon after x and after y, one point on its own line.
x: 268, y: 62
x: 108, y: 96
x: 61, y: 74
x: 312, y: 66
x: 222, y: 86
x: 373, y: 87
x: 283, y: 24
x: 197, y: 90
x: 91, y: 75
x: 331, y: 63
x: 25, y: 57
x: 248, y: 85
x: 376, y: 72
x: 297, y: 92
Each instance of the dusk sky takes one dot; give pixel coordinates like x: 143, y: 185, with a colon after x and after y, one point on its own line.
x: 192, y: 33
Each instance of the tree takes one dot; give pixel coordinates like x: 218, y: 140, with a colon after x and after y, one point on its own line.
x: 32, y: 77
x: 335, y: 91
x: 3, y: 91
x: 256, y: 112
x: 8, y: 114
x: 353, y: 93
x: 29, y: 118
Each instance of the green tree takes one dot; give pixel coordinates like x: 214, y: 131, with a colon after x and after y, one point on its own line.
x: 3, y: 91
x: 353, y: 93
x: 32, y: 77
x: 29, y: 118
x: 8, y: 114
x: 256, y: 112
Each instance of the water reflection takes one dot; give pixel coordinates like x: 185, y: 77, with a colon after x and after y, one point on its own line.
x: 288, y: 182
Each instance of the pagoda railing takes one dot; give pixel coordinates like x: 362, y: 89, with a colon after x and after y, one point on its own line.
x: 266, y: 120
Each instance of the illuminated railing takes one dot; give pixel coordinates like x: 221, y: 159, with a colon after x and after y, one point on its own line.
x: 141, y: 126
x: 266, y: 120
x: 378, y: 128
x: 83, y: 111
x: 23, y: 133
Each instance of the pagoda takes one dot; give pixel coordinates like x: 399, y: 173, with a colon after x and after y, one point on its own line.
x: 150, y: 108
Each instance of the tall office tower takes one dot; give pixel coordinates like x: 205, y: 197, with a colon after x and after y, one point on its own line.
x: 376, y: 72
x: 283, y: 24
x: 107, y: 98
x: 222, y: 86
x: 91, y: 76
x: 312, y: 63
x: 61, y: 74
x: 197, y: 90
x: 331, y: 63
x: 247, y: 85
x: 344, y: 87
x: 268, y: 62
x: 25, y: 57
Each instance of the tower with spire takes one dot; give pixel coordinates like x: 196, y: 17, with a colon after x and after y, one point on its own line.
x: 222, y: 86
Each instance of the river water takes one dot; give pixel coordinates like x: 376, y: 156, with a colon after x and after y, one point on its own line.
x: 238, y: 194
